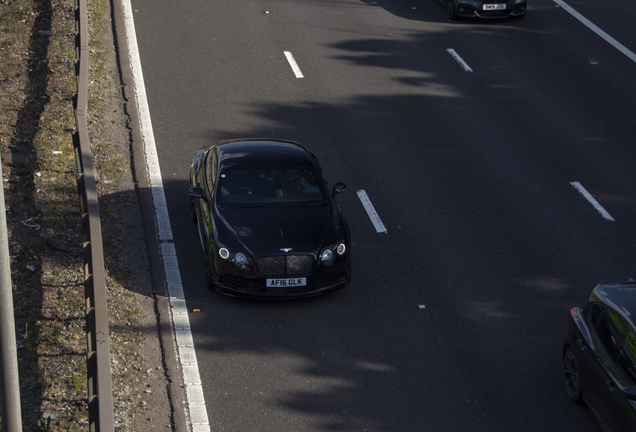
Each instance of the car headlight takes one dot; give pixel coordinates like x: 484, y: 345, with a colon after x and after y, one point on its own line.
x: 237, y: 258
x: 240, y: 258
x: 327, y: 257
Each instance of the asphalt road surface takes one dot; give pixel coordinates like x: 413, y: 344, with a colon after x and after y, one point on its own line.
x: 467, y: 138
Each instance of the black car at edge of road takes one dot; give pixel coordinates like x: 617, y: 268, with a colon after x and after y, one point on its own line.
x: 268, y: 225
x: 599, y: 354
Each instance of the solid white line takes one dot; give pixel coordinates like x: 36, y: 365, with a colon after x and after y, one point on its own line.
x: 459, y: 60
x: 373, y: 215
x: 293, y: 64
x: 597, y: 30
x: 196, y: 412
x: 591, y: 199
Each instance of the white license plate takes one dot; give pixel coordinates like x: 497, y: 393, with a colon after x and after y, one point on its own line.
x: 286, y: 282
x: 494, y: 6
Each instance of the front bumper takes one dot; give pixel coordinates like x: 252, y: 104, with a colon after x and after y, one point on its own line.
x: 323, y: 280
x: 475, y: 8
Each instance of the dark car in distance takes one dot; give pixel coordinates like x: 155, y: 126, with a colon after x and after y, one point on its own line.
x: 599, y: 354
x: 485, y: 8
x: 268, y: 225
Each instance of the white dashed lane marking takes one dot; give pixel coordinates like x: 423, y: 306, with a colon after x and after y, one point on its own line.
x: 293, y: 64
x: 459, y: 60
x: 373, y: 215
x: 591, y: 199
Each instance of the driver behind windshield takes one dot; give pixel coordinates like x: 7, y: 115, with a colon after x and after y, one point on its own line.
x: 292, y: 182
x: 264, y: 185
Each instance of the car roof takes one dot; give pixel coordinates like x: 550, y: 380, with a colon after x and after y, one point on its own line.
x: 248, y: 153
x: 620, y: 295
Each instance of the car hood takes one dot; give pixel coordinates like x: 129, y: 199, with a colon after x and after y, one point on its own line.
x: 267, y: 230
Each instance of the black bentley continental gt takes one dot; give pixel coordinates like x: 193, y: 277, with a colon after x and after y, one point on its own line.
x: 268, y: 225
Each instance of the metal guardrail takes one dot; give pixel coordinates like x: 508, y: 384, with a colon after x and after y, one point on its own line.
x: 100, y: 402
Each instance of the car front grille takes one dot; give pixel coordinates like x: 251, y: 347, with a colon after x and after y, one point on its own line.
x: 285, y: 265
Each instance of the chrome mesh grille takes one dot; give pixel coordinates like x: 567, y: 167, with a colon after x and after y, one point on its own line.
x: 285, y: 265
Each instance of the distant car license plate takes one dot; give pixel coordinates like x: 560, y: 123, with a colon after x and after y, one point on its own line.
x: 494, y: 6
x: 286, y: 282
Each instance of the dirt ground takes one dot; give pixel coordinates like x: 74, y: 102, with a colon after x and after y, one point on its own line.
x: 37, y: 85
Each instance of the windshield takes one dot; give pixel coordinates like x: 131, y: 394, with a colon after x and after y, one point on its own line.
x: 261, y: 187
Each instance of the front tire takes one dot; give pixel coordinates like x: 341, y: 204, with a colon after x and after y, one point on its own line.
x: 571, y: 375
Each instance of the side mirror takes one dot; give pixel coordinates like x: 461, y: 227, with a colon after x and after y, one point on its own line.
x: 196, y: 192
x: 337, y: 188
